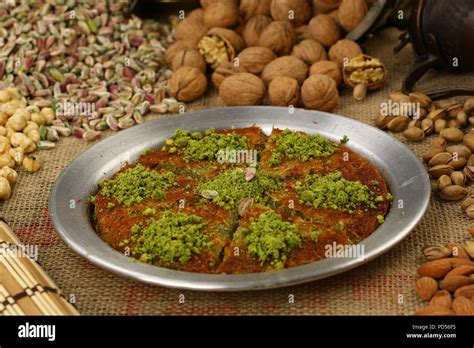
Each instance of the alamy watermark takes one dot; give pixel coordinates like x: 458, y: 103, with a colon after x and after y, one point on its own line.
x: 353, y: 251
x: 19, y: 251
x: 78, y: 109
x: 233, y: 156
x: 392, y: 108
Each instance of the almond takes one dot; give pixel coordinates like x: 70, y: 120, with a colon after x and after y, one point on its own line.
x: 426, y: 287
x: 434, y: 310
x: 463, y: 306
x: 454, y: 282
x: 471, y: 230
x: 435, y: 269
x: 456, y: 262
x: 463, y: 270
x: 458, y: 251
x: 466, y: 291
x: 441, y: 299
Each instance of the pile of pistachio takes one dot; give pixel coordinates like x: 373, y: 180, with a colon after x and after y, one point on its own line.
x: 23, y: 130
x: 86, y: 52
x: 450, y: 159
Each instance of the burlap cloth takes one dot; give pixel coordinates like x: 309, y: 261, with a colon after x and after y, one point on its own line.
x: 383, y: 286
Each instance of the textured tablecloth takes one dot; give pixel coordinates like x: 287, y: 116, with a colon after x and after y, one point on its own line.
x: 383, y: 286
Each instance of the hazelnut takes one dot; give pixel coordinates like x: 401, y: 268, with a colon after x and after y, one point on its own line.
x: 294, y: 11
x: 326, y: 67
x: 189, y: 57
x: 255, y: 59
x: 48, y: 114
x: 190, y: 30
x: 175, y: 48
x: 251, y: 8
x: 326, y: 6
x: 18, y: 154
x: 319, y: 92
x: 223, y: 14
x: 220, y: 45
x: 32, y: 163
x: 188, y: 84
x: 5, y: 188
x: 225, y: 70
x: 285, y: 66
x: 324, y: 29
x: 4, y: 144
x: 284, y: 91
x: 9, y: 173
x: 344, y: 50
x: 254, y: 29
x: 3, y: 119
x: 6, y: 160
x: 279, y: 36
x: 242, y: 89
x: 351, y: 13
x: 309, y: 51
x: 17, y: 122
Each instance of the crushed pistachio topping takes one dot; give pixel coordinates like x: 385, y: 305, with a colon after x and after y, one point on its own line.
x: 175, y: 237
x: 231, y: 187
x: 333, y: 191
x: 205, y: 146
x: 271, y: 239
x: 294, y: 145
x: 137, y: 184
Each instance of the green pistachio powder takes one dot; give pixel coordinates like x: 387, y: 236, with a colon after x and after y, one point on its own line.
x: 175, y: 237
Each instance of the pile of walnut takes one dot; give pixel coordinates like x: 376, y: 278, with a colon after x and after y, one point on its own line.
x: 447, y: 279
x: 450, y: 159
x: 262, y: 51
x: 19, y: 136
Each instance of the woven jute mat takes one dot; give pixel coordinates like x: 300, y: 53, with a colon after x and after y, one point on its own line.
x: 384, y: 286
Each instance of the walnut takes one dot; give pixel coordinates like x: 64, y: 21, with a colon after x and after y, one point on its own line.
x: 255, y: 59
x: 222, y: 14
x: 302, y: 32
x: 225, y: 70
x: 343, y: 50
x: 279, y: 36
x: 326, y: 6
x: 309, y: 51
x: 319, y: 92
x: 285, y: 66
x: 284, y: 91
x: 175, y: 48
x: 335, y: 16
x: 295, y: 11
x: 190, y: 30
x: 364, y: 73
x: 254, y: 29
x: 206, y: 3
x: 197, y: 14
x: 323, y: 29
x: 329, y: 68
x: 220, y: 45
x: 189, y: 57
x: 188, y: 84
x: 351, y: 13
x: 251, y: 8
x: 242, y: 89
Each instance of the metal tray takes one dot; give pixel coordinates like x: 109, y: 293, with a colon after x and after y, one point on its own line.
x: 405, y: 174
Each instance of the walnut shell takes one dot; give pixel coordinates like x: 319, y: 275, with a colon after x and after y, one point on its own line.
x: 351, y: 13
x: 255, y: 59
x: 279, y: 36
x: 254, y: 29
x: 319, y: 92
x: 326, y: 6
x: 225, y: 70
x: 284, y: 91
x: 175, y: 48
x: 329, y: 68
x: 344, y: 50
x: 302, y: 32
x: 251, y: 8
x: 197, y: 14
x: 190, y: 30
x: 189, y: 57
x: 295, y: 11
x: 220, y: 45
x: 285, y: 66
x: 206, y: 3
x: 224, y: 14
x: 335, y: 16
x: 187, y: 84
x: 242, y: 89
x: 324, y: 29
x: 309, y: 51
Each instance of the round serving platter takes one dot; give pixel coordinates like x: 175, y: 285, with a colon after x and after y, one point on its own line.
x: 405, y: 174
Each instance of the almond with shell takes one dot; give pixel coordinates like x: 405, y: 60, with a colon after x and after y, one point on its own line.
x: 463, y: 306
x: 457, y: 249
x: 436, y: 269
x: 466, y: 291
x: 442, y: 299
x: 453, y: 282
x: 426, y: 287
x: 434, y: 311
